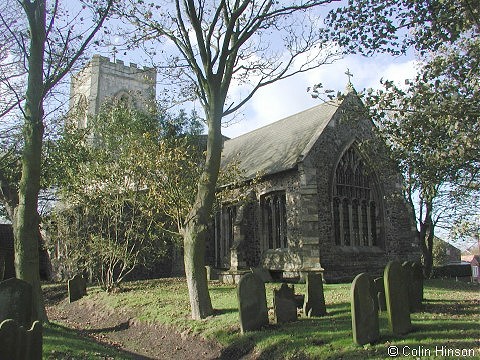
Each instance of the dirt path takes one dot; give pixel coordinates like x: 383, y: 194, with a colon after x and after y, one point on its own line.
x: 120, y: 329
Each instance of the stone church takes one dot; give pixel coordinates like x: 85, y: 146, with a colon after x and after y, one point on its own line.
x: 317, y: 191
x: 102, y: 80
x: 318, y: 194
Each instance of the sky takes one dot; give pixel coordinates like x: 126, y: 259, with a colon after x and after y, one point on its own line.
x: 288, y: 97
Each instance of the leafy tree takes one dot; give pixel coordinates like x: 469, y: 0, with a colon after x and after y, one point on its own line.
x: 47, y: 45
x: 126, y: 183
x: 208, y: 48
x: 431, y: 123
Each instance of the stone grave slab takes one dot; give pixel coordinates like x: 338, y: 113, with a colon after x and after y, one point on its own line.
x: 396, y: 296
x: 17, y: 343
x: 252, y: 303
x: 314, y: 304
x: 77, y: 288
x: 417, y: 286
x: 408, y: 273
x: 365, y: 325
x: 284, y: 304
x: 380, y: 289
x: 263, y: 274
x: 16, y: 301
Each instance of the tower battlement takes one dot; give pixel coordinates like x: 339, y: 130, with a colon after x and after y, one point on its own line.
x: 103, y: 80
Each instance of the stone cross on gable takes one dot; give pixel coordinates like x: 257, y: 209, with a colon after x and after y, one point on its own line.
x: 349, y: 74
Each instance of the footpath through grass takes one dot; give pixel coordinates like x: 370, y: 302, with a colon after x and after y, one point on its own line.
x: 448, y: 324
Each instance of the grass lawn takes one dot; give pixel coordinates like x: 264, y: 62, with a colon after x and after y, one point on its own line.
x: 449, y: 322
x: 61, y: 343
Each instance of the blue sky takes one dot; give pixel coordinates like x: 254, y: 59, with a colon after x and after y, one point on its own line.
x: 290, y: 96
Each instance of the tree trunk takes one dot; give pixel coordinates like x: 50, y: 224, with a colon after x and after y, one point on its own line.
x: 27, y: 220
x: 197, y: 224
x: 425, y: 237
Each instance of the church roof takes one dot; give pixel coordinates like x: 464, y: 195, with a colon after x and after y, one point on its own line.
x: 281, y: 145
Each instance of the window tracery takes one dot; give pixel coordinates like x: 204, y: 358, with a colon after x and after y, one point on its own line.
x: 355, y: 218
x: 274, y: 216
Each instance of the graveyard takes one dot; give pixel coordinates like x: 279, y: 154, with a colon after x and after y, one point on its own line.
x: 151, y: 320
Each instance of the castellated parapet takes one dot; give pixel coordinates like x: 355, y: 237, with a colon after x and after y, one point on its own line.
x: 102, y: 80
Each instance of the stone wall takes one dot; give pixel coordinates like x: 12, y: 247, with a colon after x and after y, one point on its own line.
x: 101, y: 80
x: 396, y: 236
x: 309, y: 209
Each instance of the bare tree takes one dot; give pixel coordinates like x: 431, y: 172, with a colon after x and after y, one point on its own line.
x: 47, y: 41
x: 211, y: 47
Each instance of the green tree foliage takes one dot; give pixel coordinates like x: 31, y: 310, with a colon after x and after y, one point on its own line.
x: 208, y: 48
x: 432, y: 122
x: 126, y: 184
x: 44, y: 45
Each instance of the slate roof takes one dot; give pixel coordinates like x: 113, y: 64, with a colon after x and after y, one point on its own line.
x: 281, y: 145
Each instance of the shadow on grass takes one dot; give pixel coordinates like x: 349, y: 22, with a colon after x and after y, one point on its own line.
x: 446, y: 284
x: 60, y: 342
x: 122, y: 326
x: 330, y: 337
x: 464, y: 307
x: 224, y: 311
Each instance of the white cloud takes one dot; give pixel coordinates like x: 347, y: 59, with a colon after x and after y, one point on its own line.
x: 290, y: 96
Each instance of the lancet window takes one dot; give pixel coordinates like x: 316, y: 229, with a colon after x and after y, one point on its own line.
x: 224, y: 232
x: 274, y: 218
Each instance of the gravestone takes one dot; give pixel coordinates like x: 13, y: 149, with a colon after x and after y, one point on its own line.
x: 380, y: 289
x: 16, y: 343
x: 408, y: 272
x: 365, y: 324
x: 284, y: 304
x: 263, y: 274
x: 314, y: 304
x: 212, y: 273
x: 396, y: 296
x: 2, y: 267
x: 252, y: 303
x: 417, y: 286
x: 16, y: 301
x: 77, y: 288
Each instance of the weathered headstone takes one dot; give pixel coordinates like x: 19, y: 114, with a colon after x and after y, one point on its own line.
x: 252, y: 303
x: 2, y: 267
x: 408, y: 272
x: 284, y: 305
x: 365, y: 324
x: 212, y: 273
x: 314, y: 304
x: 417, y: 286
x: 380, y: 289
x: 16, y: 301
x: 263, y: 274
x: 396, y: 296
x: 17, y: 343
x: 77, y: 288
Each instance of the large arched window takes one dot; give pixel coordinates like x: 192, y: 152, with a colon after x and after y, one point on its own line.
x: 354, y: 202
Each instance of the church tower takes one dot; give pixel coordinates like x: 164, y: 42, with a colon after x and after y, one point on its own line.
x: 102, y: 80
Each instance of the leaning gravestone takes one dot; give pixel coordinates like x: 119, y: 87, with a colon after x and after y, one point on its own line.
x: 314, y: 304
x: 380, y: 289
x: 396, y: 296
x: 417, y: 286
x: 252, y: 303
x: 16, y: 301
x: 284, y: 304
x: 16, y: 343
x: 77, y: 288
x: 365, y: 324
